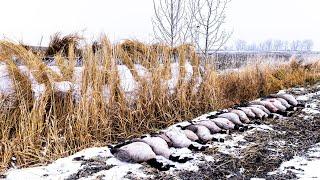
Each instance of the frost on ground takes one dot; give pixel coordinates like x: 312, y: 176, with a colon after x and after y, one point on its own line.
x: 282, y: 148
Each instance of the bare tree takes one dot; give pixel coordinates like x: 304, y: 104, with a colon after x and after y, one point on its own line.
x: 241, y: 45
x: 307, y: 45
x: 169, y: 21
x: 208, y: 19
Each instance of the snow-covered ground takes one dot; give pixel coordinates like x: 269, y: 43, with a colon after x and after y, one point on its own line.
x: 305, y: 167
x: 99, y: 163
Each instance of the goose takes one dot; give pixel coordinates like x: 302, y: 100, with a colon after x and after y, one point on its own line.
x: 137, y: 152
x: 164, y: 137
x: 202, y: 132
x: 161, y: 148
x: 288, y: 97
x: 211, y: 126
x: 191, y: 135
x: 258, y: 112
x: 277, y: 104
x: 261, y: 107
x: 180, y: 140
x: 233, y: 117
x: 266, y: 104
x: 247, y: 111
x: 285, y: 103
x: 224, y: 123
x: 242, y: 115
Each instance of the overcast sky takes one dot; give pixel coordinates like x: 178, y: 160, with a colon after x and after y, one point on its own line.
x: 250, y: 20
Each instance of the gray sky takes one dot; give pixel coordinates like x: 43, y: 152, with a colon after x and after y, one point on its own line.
x: 250, y: 20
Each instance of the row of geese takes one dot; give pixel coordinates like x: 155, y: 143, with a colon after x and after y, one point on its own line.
x: 195, y: 134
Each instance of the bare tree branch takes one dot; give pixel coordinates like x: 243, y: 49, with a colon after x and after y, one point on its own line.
x: 169, y: 22
x: 208, y: 18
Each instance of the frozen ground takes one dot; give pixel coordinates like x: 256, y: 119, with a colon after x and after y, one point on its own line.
x: 284, y: 148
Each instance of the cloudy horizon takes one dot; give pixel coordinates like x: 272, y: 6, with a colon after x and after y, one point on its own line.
x: 250, y: 20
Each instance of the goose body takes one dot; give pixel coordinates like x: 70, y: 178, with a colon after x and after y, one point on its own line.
x: 288, y: 97
x: 266, y: 104
x: 158, y: 145
x: 191, y: 135
x: 277, y: 104
x: 242, y: 115
x: 178, y: 138
x: 233, y: 117
x: 284, y: 102
x: 210, y: 125
x: 134, y: 152
x: 262, y: 108
x: 247, y: 111
x: 224, y: 123
x: 161, y: 148
x: 138, y: 152
x: 258, y: 112
x: 201, y: 131
x: 166, y: 138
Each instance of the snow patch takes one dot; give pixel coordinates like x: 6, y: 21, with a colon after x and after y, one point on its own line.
x: 305, y: 167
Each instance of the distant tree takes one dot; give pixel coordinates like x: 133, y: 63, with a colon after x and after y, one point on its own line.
x: 169, y: 21
x: 295, y: 45
x: 274, y: 45
x: 307, y: 45
x: 277, y: 45
x: 240, y: 45
x: 208, y: 18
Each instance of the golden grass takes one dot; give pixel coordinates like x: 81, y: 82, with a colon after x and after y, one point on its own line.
x: 40, y: 131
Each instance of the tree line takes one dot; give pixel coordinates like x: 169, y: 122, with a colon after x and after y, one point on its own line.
x: 273, y: 45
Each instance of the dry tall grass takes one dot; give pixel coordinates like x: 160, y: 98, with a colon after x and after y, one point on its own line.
x: 40, y: 131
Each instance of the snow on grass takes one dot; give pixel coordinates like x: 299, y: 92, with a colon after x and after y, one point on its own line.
x: 127, y: 81
x: 6, y: 83
x: 63, y: 86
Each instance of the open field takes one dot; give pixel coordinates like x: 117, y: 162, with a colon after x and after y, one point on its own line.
x: 121, y: 91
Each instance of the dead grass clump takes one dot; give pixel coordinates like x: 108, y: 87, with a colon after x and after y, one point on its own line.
x: 257, y: 159
x: 61, y: 44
